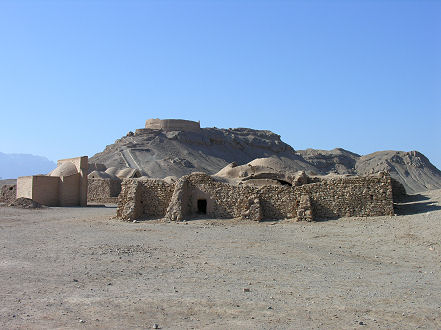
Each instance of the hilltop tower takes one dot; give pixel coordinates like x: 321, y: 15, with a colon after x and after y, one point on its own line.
x: 173, y: 124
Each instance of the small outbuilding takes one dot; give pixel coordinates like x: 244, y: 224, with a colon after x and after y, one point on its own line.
x: 66, y: 185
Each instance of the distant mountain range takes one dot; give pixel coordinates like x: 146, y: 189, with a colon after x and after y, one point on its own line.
x: 158, y: 153
x: 15, y: 165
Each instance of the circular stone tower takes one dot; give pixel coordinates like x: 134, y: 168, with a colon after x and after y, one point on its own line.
x: 173, y: 124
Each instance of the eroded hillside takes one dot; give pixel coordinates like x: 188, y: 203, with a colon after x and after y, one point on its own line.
x: 160, y: 153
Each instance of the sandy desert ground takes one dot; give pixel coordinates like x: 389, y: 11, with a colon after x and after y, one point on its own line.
x: 79, y: 268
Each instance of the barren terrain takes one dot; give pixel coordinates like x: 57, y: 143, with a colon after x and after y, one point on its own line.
x: 159, y: 154
x: 78, y: 268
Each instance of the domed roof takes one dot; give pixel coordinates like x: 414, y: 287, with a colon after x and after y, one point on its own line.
x: 170, y: 179
x: 127, y: 173
x: 101, y: 175
x: 65, y: 169
x: 112, y: 170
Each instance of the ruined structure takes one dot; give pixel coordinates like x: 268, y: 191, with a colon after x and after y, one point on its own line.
x: 103, y: 190
x: 199, y: 194
x: 173, y: 125
x: 104, y: 185
x: 64, y: 186
x: 8, y: 192
x: 169, y: 125
x: 176, y: 147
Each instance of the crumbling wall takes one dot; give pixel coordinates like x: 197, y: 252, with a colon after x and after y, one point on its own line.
x: 329, y: 198
x: 173, y: 124
x: 254, y: 210
x: 223, y: 200
x: 8, y: 193
x: 156, y: 195
x: 179, y: 207
x: 144, y: 197
x: 129, y: 200
x: 336, y: 197
x: 279, y: 202
x: 103, y: 190
x: 398, y: 190
x: 351, y: 196
x: 304, y: 209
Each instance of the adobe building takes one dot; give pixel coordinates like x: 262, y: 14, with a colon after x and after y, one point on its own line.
x: 199, y: 194
x: 64, y: 186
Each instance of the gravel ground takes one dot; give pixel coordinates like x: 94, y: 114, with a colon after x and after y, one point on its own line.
x: 80, y: 268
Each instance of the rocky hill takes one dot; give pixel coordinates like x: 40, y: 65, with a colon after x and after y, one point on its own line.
x: 413, y: 169
x: 161, y: 153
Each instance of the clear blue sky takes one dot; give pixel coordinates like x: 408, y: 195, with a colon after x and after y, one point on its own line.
x: 361, y: 75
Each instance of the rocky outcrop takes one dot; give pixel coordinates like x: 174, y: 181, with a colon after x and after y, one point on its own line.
x: 160, y: 153
x: 412, y: 169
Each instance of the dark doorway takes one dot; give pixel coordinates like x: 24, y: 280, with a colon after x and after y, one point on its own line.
x: 202, y: 206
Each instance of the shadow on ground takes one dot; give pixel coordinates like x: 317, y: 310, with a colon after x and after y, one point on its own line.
x: 415, y: 204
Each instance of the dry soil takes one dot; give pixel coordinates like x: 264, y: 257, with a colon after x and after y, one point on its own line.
x: 79, y: 268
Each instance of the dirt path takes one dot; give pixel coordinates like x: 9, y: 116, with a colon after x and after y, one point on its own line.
x: 77, y: 268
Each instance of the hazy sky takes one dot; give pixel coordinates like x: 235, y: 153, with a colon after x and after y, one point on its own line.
x: 361, y: 75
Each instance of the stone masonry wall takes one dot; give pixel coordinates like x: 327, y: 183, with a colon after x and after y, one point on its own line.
x: 346, y: 196
x: 129, y: 200
x: 155, y: 197
x: 8, y: 193
x: 178, y: 207
x: 337, y: 197
x: 223, y: 200
x: 351, y: 196
x: 103, y: 190
x: 144, y: 197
